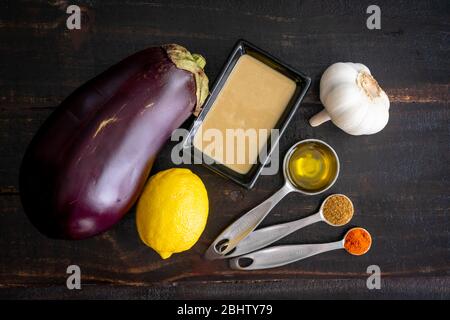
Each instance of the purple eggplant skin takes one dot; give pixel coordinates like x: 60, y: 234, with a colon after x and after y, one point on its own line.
x: 88, y: 163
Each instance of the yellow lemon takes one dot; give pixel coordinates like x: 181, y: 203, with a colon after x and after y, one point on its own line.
x: 172, y: 211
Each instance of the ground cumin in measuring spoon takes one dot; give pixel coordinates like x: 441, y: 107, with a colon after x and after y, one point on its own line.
x: 357, y: 241
x: 337, y: 209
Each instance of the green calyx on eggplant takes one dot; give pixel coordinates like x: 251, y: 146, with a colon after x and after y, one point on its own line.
x: 89, y: 161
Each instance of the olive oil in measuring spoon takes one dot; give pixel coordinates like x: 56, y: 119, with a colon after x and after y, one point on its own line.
x: 312, y: 166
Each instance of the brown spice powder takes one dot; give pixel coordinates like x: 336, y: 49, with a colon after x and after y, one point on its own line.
x: 338, y: 210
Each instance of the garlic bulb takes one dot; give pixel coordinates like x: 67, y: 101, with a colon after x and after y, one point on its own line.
x: 353, y: 99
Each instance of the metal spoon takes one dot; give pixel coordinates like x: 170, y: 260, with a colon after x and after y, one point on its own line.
x: 242, y: 227
x: 263, y: 237
x: 281, y: 255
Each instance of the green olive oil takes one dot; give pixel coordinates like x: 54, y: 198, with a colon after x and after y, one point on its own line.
x: 312, y: 166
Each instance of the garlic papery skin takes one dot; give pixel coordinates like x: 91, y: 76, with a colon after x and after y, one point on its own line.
x: 353, y: 100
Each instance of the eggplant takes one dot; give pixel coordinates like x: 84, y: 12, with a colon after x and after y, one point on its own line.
x: 87, y: 164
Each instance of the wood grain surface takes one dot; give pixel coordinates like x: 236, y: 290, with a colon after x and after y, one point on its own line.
x: 399, y: 179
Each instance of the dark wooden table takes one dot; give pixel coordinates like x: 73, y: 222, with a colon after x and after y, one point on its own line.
x: 398, y: 178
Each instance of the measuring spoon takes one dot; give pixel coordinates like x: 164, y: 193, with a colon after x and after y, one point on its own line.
x: 281, y: 255
x: 242, y: 227
x: 263, y: 237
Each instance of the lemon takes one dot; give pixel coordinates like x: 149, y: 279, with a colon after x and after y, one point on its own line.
x: 172, y: 211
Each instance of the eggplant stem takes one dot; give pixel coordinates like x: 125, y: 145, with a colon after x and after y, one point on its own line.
x: 193, y: 63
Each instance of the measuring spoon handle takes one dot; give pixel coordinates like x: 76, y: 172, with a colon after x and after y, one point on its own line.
x: 281, y: 255
x: 263, y: 237
x: 242, y: 227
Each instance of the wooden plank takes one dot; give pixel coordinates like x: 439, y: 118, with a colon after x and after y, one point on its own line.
x: 313, y: 288
x: 43, y: 46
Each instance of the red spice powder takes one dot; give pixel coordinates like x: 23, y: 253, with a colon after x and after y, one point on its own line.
x: 357, y: 241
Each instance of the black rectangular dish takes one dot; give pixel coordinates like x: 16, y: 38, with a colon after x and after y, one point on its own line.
x: 302, y: 82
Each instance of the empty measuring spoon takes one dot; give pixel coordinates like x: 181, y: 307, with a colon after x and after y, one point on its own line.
x: 263, y: 237
x: 281, y: 255
x: 242, y: 227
